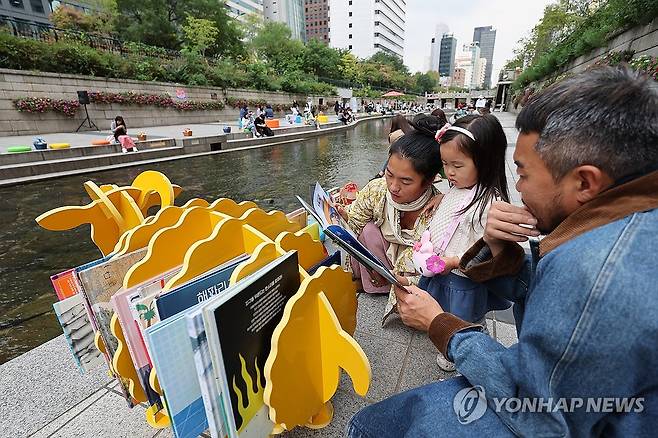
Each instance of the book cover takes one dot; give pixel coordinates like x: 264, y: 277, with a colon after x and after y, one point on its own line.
x: 78, y: 332
x: 65, y: 284
x: 197, y: 290
x: 206, y: 374
x: 173, y: 358
x: 122, y: 303
x: 239, y: 327
x: 99, y: 283
x: 172, y: 353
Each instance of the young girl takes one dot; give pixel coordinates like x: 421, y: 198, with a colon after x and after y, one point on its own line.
x: 473, y: 156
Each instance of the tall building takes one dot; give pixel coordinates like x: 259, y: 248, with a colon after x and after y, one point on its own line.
x: 316, y: 14
x: 435, y: 46
x: 241, y: 9
x: 473, y: 64
x: 368, y: 26
x: 289, y: 12
x: 447, y: 53
x: 486, y: 36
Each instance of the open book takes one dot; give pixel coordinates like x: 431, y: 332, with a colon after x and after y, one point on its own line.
x: 324, y: 211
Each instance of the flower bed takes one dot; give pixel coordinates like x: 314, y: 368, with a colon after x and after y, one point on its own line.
x: 160, y: 100
x: 70, y: 107
x: 43, y: 104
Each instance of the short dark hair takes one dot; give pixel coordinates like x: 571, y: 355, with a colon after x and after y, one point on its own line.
x: 423, y: 152
x: 606, y: 117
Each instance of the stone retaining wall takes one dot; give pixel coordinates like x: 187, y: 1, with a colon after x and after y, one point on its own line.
x: 18, y: 84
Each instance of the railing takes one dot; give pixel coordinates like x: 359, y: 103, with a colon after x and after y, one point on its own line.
x: 50, y: 34
x: 355, y: 85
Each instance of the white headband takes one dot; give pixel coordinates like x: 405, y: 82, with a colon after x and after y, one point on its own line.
x: 449, y: 127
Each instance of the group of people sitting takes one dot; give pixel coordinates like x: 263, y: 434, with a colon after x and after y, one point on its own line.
x: 256, y: 123
x: 584, y: 296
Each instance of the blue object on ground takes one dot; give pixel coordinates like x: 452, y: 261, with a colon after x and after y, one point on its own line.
x: 227, y: 129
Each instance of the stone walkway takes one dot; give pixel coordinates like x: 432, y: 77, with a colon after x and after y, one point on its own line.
x: 84, y: 138
x: 44, y: 395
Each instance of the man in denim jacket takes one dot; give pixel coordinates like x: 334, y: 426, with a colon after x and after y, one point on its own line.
x: 586, y: 301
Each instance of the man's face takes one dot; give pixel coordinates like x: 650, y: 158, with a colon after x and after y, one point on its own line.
x: 549, y: 202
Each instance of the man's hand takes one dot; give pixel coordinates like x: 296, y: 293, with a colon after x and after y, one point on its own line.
x: 504, y: 225
x: 417, y: 308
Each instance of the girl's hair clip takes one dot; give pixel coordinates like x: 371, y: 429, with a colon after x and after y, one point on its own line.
x: 448, y: 127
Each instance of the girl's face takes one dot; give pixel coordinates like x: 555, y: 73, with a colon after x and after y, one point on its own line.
x: 403, y: 182
x: 458, y: 167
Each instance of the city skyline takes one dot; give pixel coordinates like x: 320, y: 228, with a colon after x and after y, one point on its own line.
x: 512, y: 23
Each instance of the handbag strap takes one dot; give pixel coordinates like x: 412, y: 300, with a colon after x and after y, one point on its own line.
x: 452, y: 228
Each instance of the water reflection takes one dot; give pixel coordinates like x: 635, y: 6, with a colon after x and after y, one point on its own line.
x: 271, y: 176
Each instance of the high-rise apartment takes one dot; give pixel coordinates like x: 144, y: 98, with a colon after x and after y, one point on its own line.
x: 486, y: 37
x: 316, y: 13
x: 368, y: 26
x: 241, y: 9
x: 447, y: 53
x: 289, y: 12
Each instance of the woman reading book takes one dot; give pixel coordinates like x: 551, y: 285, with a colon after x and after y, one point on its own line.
x: 391, y: 213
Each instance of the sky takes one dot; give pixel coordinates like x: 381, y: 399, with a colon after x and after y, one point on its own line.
x: 513, y: 20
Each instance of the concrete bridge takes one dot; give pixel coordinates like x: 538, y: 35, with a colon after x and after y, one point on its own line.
x: 451, y: 99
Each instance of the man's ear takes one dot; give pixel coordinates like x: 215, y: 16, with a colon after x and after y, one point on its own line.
x: 590, y: 181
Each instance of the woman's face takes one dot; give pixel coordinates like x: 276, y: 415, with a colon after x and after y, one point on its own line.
x: 403, y: 182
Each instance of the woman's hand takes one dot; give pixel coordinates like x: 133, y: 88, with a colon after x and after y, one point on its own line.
x: 377, y: 280
x: 403, y: 280
x: 342, y: 212
x: 416, y: 307
x: 431, y: 205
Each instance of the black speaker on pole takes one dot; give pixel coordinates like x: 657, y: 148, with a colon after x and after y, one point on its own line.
x: 83, y: 98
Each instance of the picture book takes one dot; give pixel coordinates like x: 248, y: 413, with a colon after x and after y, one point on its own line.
x: 78, y: 332
x: 325, y: 212
x: 99, y: 282
x: 65, y: 284
x: 198, y: 290
x: 239, y: 326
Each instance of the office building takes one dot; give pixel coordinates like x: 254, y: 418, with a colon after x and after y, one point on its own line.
x: 486, y: 37
x: 289, y: 12
x: 368, y: 26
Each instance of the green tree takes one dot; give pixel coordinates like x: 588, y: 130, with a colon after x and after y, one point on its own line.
x: 349, y: 67
x: 101, y: 20
x: 425, y: 82
x: 322, y: 60
x: 273, y: 44
x: 199, y: 35
x: 160, y: 23
x: 384, y: 58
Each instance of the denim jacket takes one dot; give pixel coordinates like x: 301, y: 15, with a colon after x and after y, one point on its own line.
x: 587, y: 323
